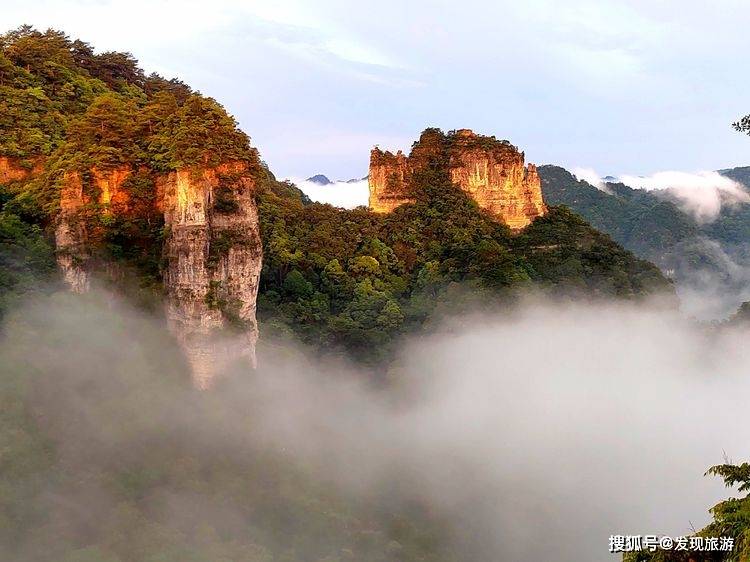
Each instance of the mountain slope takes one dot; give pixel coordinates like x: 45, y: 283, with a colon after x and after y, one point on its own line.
x: 356, y: 280
x: 709, y: 261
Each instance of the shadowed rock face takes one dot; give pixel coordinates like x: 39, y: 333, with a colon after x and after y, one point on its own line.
x: 71, y: 239
x: 492, y: 172
x: 212, y: 251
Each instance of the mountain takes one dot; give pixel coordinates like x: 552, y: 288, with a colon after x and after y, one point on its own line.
x: 709, y: 261
x: 320, y: 179
x: 492, y: 172
x: 138, y: 174
x: 145, y: 189
x: 356, y: 180
x: 740, y: 174
x: 355, y: 281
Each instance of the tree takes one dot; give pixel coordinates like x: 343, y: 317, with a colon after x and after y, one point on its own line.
x: 200, y: 132
x: 742, y: 125
x: 107, y: 131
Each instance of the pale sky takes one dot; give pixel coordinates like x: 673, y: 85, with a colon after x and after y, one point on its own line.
x: 628, y: 87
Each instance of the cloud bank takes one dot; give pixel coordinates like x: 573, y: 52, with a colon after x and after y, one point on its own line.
x: 339, y: 193
x: 535, y: 433
x: 589, y: 175
x: 700, y: 194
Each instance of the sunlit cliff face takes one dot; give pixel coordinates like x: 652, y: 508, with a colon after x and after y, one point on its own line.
x: 109, y: 185
x: 197, y: 276
x: 71, y: 236
x: 212, y: 258
x: 491, y: 172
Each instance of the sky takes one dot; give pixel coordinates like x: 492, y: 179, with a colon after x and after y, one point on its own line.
x: 632, y: 87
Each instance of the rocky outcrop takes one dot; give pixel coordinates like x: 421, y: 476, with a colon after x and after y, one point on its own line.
x: 388, y: 180
x: 11, y: 169
x: 492, y: 172
x: 109, y: 186
x: 71, y: 238
x: 72, y: 231
x: 214, y: 254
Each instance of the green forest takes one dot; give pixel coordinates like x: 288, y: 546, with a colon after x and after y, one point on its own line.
x: 655, y: 226
x: 354, y: 281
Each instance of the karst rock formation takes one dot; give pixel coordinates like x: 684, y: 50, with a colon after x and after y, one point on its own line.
x: 490, y: 171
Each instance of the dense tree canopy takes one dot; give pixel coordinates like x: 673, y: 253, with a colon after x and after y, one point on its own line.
x: 355, y: 280
x: 64, y: 108
x: 58, y: 93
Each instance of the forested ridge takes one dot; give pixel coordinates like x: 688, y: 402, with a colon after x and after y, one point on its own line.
x: 355, y: 280
x: 342, y: 280
x: 699, y: 255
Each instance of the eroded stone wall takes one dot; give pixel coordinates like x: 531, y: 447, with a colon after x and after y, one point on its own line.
x: 492, y: 172
x: 213, y: 266
x: 213, y: 254
x: 71, y: 238
x: 11, y: 169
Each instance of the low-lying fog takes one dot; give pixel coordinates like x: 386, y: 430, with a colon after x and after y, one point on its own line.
x: 537, y: 433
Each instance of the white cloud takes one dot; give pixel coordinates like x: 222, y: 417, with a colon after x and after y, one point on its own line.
x: 589, y: 175
x: 338, y: 193
x: 357, y: 52
x: 530, y: 434
x: 700, y: 194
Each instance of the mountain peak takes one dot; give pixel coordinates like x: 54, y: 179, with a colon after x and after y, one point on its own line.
x: 319, y: 179
x: 491, y: 171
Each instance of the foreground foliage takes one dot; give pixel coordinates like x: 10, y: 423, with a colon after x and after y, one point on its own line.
x: 731, y: 519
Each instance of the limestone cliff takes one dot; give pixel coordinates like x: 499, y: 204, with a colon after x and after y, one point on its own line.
x: 492, y: 172
x: 73, y: 229
x: 213, y: 253
x: 388, y: 180
x: 71, y: 238
x: 109, y: 186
